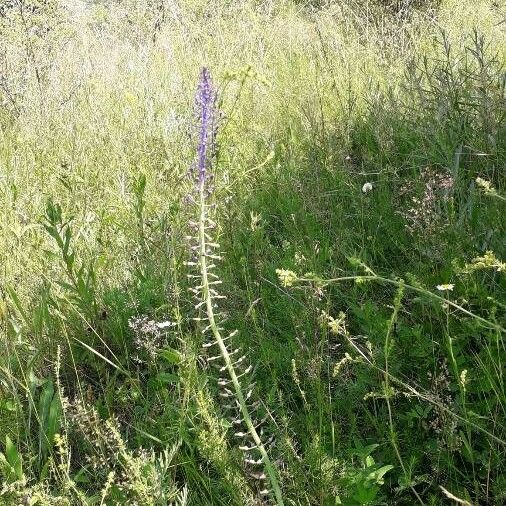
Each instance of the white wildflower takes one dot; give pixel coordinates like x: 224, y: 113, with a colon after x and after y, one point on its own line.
x: 286, y: 277
x: 164, y: 325
x: 367, y: 187
x: 485, y: 185
x: 463, y: 378
x: 445, y: 287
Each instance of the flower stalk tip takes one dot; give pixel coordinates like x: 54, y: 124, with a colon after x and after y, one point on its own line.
x: 205, y: 102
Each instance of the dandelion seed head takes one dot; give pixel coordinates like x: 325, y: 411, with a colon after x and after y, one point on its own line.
x: 367, y: 188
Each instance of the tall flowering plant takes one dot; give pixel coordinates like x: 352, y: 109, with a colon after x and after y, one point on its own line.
x: 236, y: 388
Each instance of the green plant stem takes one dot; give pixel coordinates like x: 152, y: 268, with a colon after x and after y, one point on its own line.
x: 381, y: 279
x: 269, y: 467
x: 393, y: 440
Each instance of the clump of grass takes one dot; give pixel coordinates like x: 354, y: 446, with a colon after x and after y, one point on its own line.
x: 366, y: 130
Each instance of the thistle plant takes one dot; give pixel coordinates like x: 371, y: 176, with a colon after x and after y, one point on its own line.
x: 234, y: 380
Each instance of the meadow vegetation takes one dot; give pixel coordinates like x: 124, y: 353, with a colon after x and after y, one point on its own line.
x: 358, y: 162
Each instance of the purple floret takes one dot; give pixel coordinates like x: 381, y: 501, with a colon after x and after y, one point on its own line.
x: 206, y: 98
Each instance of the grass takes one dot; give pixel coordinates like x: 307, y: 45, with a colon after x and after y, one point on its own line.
x: 376, y: 386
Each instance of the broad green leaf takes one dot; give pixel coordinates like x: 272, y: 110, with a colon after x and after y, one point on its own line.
x: 172, y: 356
x: 378, y: 475
x: 166, y: 378
x: 13, y: 458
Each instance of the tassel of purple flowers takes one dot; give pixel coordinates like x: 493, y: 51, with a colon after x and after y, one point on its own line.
x: 206, y: 104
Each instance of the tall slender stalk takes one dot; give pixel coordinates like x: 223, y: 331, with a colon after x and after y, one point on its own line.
x: 206, y: 296
x: 240, y: 398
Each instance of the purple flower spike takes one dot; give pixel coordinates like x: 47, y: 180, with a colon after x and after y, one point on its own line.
x: 206, y: 98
